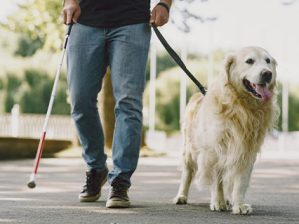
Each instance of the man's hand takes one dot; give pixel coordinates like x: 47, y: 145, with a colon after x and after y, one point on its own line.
x: 71, y: 11
x: 160, y: 15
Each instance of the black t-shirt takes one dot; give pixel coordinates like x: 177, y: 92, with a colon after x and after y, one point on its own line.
x: 114, y: 13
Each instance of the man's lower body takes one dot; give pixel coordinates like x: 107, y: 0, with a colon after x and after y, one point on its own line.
x: 90, y: 51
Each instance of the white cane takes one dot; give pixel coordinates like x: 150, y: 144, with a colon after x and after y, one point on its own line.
x: 32, y: 183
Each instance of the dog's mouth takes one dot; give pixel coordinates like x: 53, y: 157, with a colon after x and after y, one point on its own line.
x: 260, y: 91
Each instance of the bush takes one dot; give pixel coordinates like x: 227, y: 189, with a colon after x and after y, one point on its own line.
x: 293, y: 113
x: 28, y: 47
x: 33, y: 90
x: 12, y: 86
x: 168, y: 95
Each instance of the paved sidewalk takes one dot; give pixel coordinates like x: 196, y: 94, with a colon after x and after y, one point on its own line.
x: 274, y: 194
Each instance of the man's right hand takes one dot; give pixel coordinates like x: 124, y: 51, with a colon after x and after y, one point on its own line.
x: 71, y: 11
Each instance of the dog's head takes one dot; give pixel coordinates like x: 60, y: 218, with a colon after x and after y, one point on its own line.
x: 252, y: 70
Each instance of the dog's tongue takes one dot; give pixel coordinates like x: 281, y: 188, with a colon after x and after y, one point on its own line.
x: 264, y: 92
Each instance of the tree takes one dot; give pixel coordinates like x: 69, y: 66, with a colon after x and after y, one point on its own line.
x: 288, y: 2
x: 182, y: 14
x: 38, y: 21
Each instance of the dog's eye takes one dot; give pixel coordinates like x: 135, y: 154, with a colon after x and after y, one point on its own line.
x: 268, y: 60
x: 250, y: 61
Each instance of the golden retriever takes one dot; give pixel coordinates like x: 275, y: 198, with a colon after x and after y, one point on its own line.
x: 224, y: 130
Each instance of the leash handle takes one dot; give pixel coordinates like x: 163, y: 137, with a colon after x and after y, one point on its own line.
x: 178, y: 60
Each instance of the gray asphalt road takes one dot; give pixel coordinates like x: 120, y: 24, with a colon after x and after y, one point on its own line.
x: 274, y: 194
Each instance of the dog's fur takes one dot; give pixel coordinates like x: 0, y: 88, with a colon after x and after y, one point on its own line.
x: 224, y: 130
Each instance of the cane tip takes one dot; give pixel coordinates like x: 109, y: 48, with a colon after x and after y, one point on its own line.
x: 31, y: 184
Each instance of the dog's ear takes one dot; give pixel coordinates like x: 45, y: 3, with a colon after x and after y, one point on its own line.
x: 228, y: 61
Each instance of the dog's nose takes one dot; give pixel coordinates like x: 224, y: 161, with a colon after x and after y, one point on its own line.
x: 266, y: 76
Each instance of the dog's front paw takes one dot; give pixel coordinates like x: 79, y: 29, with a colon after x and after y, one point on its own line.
x: 180, y: 200
x: 242, y: 209
x: 218, y: 206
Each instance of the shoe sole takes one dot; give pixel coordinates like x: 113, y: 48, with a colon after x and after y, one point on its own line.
x: 117, y: 204
x: 95, y: 197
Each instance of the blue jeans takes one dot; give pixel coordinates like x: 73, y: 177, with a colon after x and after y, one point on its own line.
x: 90, y: 50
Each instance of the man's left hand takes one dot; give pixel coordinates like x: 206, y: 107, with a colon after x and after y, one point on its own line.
x: 160, y: 15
